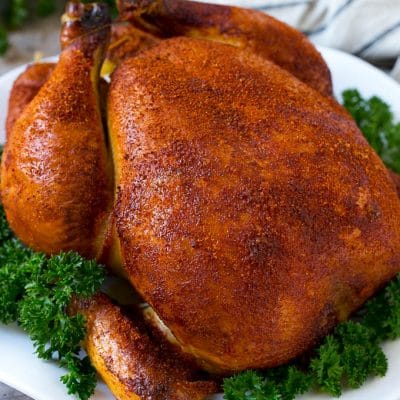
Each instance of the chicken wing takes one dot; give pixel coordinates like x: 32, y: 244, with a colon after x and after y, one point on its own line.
x: 133, y: 364
x: 126, y: 41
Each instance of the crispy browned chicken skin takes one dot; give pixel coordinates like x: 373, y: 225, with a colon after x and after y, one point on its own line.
x: 246, y: 29
x: 57, y: 180
x: 133, y: 363
x: 25, y: 88
x: 396, y: 180
x: 249, y: 210
x: 245, y: 196
x: 128, y: 41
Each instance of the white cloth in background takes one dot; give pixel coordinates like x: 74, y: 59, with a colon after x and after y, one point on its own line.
x: 396, y: 70
x: 367, y: 28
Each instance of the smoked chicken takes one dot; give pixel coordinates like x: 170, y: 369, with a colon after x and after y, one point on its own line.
x: 235, y: 194
x: 245, y: 29
x: 126, y: 41
x: 134, y: 363
x: 25, y: 88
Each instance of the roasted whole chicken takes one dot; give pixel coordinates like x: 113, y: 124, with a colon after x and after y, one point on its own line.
x: 216, y: 172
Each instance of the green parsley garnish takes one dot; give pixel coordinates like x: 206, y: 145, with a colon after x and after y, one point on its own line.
x: 35, y: 291
x: 376, y: 121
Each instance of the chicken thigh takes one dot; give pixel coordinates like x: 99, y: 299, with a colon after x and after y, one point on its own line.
x: 25, y: 88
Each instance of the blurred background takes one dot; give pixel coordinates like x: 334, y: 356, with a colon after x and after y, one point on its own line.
x: 29, y: 30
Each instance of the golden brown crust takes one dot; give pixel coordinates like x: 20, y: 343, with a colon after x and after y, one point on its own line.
x: 252, y: 213
x: 249, y: 29
x: 57, y: 183
x: 128, y: 41
x: 25, y: 88
x: 134, y: 365
x: 396, y: 180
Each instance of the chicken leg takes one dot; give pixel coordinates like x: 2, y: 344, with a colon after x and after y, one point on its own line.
x: 56, y: 176
x: 243, y: 28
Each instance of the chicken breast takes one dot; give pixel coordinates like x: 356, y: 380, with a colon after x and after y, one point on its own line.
x: 251, y: 212
x: 243, y: 28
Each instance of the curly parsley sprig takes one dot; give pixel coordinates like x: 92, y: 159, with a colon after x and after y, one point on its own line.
x: 376, y: 121
x: 35, y: 291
